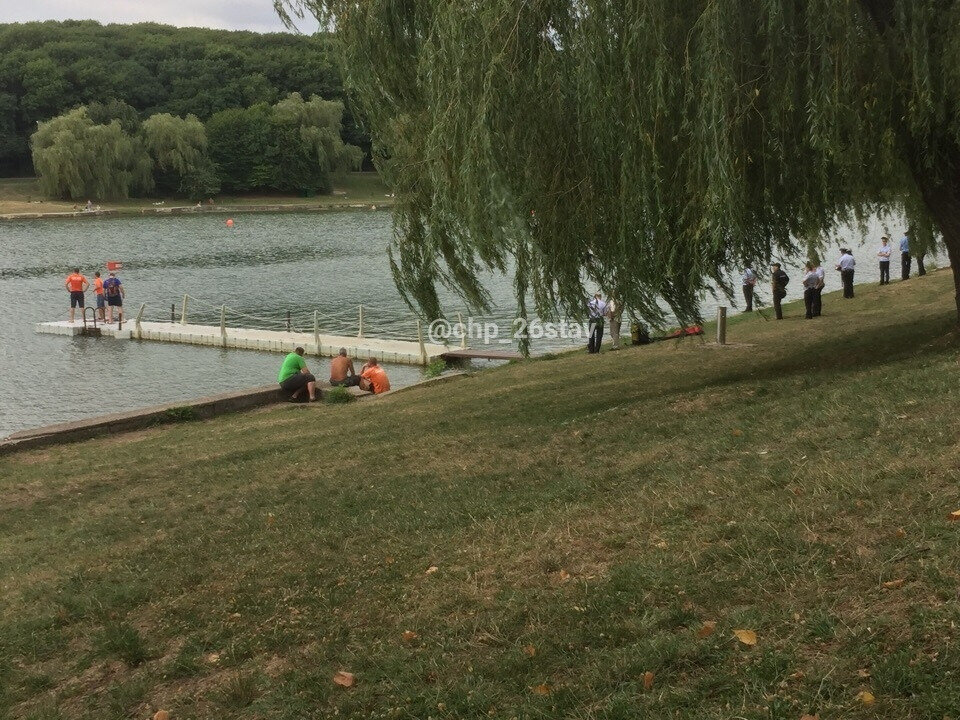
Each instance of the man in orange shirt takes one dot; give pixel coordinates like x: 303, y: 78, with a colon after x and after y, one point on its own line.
x: 76, y: 284
x: 98, y: 292
x: 374, y: 378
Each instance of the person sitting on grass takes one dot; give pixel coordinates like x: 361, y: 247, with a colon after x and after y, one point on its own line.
x: 294, y: 376
x: 342, y: 373
x: 373, y: 378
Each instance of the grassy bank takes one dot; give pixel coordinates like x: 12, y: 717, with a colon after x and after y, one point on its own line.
x: 22, y: 195
x: 572, y: 537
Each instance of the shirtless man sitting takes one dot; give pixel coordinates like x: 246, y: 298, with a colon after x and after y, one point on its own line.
x: 342, y: 373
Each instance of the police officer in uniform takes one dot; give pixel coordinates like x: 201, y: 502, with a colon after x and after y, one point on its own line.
x: 778, y: 283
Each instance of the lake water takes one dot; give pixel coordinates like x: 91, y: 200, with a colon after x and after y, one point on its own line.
x: 263, y: 268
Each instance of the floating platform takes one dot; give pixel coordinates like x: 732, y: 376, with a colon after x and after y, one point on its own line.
x: 394, y: 351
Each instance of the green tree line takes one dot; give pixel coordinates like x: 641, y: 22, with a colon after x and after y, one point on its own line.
x: 49, y: 68
x: 103, y: 150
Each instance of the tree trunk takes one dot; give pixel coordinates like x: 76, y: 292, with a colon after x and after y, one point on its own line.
x: 943, y: 202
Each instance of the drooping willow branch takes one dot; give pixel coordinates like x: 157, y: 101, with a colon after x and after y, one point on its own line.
x: 647, y: 147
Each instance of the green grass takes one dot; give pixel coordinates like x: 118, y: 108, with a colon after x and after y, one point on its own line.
x: 586, y: 516
x: 22, y: 195
x: 337, y: 396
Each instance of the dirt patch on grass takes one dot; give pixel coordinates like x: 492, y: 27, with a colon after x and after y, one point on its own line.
x: 33, y: 457
x: 701, y: 402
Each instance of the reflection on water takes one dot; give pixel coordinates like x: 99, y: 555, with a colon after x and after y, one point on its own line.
x: 265, y: 267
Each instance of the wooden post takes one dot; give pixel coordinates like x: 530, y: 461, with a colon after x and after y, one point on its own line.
x: 137, y: 321
x: 721, y: 326
x: 288, y: 321
x: 360, y: 331
x: 183, y: 311
x: 173, y: 313
x: 316, y: 331
x: 463, y: 332
x: 223, y: 325
x: 423, y: 349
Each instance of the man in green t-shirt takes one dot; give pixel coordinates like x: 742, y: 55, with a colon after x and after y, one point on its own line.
x: 294, y: 376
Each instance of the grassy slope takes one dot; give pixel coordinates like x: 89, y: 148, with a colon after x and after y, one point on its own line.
x: 596, y: 509
x: 18, y: 195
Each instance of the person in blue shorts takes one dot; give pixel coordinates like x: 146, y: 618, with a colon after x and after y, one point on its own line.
x: 113, y: 289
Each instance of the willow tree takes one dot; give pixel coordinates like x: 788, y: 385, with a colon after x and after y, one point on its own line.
x: 79, y: 159
x: 178, y: 147
x: 647, y: 145
x: 308, y: 147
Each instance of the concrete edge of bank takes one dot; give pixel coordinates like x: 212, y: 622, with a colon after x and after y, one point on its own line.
x: 201, y: 409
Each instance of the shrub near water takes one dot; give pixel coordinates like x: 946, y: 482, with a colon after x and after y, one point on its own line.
x: 337, y: 396
x: 435, y: 368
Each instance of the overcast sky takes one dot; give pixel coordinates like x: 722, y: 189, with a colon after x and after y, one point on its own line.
x: 229, y: 14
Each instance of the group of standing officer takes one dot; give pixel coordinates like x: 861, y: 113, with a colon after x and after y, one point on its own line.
x: 814, y: 281
x: 814, y: 278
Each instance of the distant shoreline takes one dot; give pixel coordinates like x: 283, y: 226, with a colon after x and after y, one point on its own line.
x: 21, y: 199
x: 191, y: 210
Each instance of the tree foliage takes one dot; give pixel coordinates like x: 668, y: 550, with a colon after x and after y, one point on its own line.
x: 239, y: 141
x: 307, y: 147
x: 292, y: 146
x: 79, y: 159
x: 178, y: 148
x: 105, y: 112
x: 51, y: 67
x: 648, y: 146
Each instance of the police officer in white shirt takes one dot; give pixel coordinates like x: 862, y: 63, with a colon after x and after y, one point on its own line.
x: 596, y: 308
x: 886, y: 249
x: 749, y: 280
x: 845, y: 265
x: 818, y: 296
x: 811, y: 281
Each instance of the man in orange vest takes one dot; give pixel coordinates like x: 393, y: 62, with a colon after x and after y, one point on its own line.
x: 76, y: 284
x: 98, y: 295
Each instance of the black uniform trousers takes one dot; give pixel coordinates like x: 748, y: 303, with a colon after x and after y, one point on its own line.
x: 596, y: 335
x: 778, y: 296
x: 809, y: 296
x: 905, y: 262
x: 847, y: 277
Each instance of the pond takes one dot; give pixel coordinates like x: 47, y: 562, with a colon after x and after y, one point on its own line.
x: 264, y: 267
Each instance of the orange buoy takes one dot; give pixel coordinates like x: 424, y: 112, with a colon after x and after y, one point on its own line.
x: 230, y: 222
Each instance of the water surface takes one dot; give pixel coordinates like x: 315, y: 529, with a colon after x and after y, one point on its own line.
x: 265, y: 267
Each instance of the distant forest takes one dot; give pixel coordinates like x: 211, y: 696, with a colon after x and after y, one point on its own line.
x: 49, y: 68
